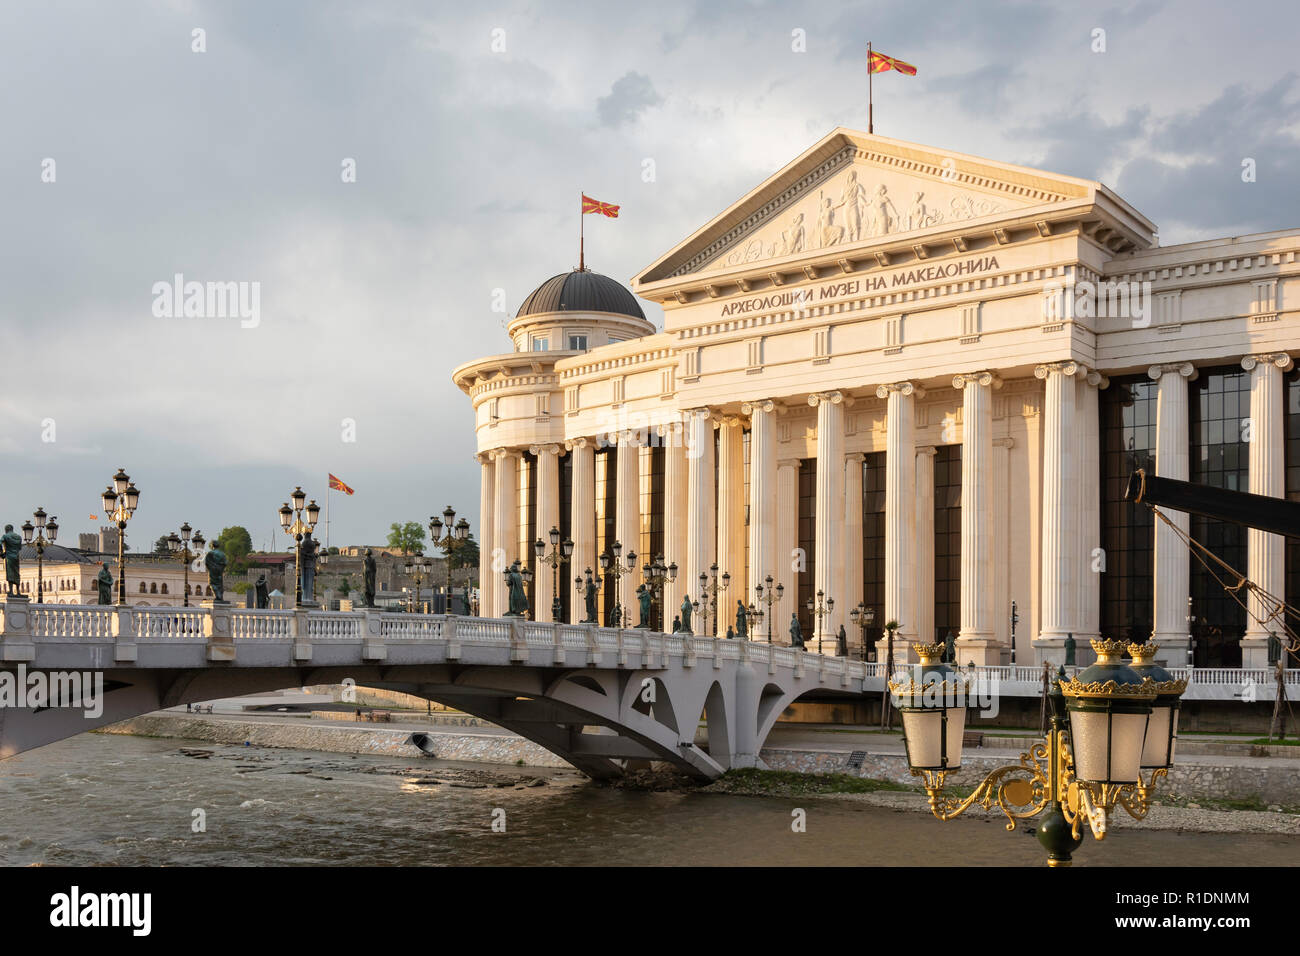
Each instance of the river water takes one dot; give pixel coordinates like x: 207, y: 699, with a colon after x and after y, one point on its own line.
x: 112, y: 800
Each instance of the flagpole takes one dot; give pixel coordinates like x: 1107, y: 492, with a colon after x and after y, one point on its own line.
x: 870, y: 104
x: 582, y: 264
x: 327, y: 516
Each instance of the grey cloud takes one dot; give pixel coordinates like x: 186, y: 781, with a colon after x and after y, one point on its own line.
x: 631, y: 95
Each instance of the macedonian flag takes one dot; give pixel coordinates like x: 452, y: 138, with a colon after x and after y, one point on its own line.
x: 879, y: 63
x: 595, y: 205
x: 338, y: 485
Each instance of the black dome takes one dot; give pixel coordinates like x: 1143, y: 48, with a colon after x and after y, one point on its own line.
x: 581, y: 292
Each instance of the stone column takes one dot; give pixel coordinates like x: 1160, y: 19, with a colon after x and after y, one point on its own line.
x: 583, y: 522
x: 1088, y: 428
x: 762, y: 500
x: 675, y: 518
x: 487, y: 577
x: 976, y: 639
x: 1000, y: 536
x: 1172, y: 559
x: 627, y: 519
x: 699, y: 505
x: 505, y: 525
x: 1060, y: 511
x: 900, y: 514
x: 924, y: 546
x: 1265, y: 553
x: 830, y: 512
x: 731, y: 518
x: 851, y: 580
x: 787, y: 541
x: 548, y: 517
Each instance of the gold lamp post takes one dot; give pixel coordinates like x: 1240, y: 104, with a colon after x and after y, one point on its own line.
x: 1109, y: 725
x: 655, y: 576
x: 291, y: 520
x: 179, y: 545
x: 820, y: 606
x: 559, y: 554
x: 46, y: 531
x: 119, y: 502
x: 611, y: 563
x: 768, y: 595
x: 709, y: 590
x: 419, y: 568
x: 865, y: 618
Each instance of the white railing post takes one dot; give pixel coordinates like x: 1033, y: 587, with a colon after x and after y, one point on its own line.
x: 122, y: 627
x: 518, y: 641
x: 557, y: 639
x: 373, y: 647
x: 300, y: 635
x: 16, y: 631
x: 216, y: 628
x: 450, y: 632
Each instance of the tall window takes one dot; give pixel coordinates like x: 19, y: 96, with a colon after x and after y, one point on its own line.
x: 807, y: 544
x: 873, y: 542
x: 1293, y: 491
x: 947, y: 543
x: 1220, y: 404
x: 527, y: 529
x: 651, y: 543
x: 606, y: 514
x: 1128, y: 442
x: 567, y: 571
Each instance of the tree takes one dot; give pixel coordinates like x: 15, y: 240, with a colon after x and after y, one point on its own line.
x: 460, y: 554
x: 236, y: 542
x: 160, y: 546
x: 406, y: 537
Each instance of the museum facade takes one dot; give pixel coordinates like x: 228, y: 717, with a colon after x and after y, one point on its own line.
x: 913, y: 381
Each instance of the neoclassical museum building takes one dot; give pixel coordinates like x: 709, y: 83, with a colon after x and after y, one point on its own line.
x: 916, y: 381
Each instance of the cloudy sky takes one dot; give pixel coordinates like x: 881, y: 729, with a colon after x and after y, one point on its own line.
x: 473, y: 128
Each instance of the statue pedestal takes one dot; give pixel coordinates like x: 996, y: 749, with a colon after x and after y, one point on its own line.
x: 15, y: 629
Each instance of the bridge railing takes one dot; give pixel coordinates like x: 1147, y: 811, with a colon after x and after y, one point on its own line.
x: 252, y: 623
x: 71, y: 620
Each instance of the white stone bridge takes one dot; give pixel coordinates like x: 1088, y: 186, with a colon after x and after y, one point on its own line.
x: 597, y: 697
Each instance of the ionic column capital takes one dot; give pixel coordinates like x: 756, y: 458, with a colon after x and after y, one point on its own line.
x: 1186, y: 369
x: 1097, y: 380
x: 986, y: 379
x: 496, y: 454
x: 1007, y: 442
x: 794, y: 463
x: 574, y: 444
x: 902, y: 388
x: 1068, y: 369
x: 759, y: 405
x: 551, y: 449
x: 928, y: 451
x: 1280, y: 359
x: 484, y: 458
x: 832, y: 398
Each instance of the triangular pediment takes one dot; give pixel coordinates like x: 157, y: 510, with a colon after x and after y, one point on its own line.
x: 852, y: 190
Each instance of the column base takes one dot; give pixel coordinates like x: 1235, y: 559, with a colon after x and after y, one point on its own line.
x: 1173, y: 649
x: 1049, y: 650
x: 1254, y: 651
x: 984, y: 652
x: 903, y: 653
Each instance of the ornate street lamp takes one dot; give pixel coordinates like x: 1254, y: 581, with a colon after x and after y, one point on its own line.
x: 864, y: 617
x: 180, y: 546
x: 709, y: 590
x: 418, y: 567
x: 1191, y: 633
x: 768, y: 595
x: 820, y: 607
x: 559, y: 554
x: 293, y: 523
x: 45, y: 534
x: 1104, y: 731
x: 119, y: 502
x: 655, y: 576
x: 457, y: 533
x: 611, y: 563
